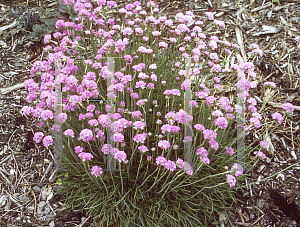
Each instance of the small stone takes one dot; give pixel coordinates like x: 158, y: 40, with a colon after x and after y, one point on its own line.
x: 47, y: 210
x: 260, y: 203
x: 36, y: 189
x: 41, y: 205
x: 268, y: 160
x: 24, y: 198
x: 30, y: 208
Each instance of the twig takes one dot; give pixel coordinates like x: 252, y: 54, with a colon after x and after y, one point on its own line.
x: 34, y: 201
x: 257, y: 220
x: 84, y: 222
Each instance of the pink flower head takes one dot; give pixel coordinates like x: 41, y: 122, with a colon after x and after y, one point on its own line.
x: 164, y: 144
x: 140, y: 138
x: 38, y: 136
x: 210, y: 15
x: 136, y: 114
x: 270, y: 84
x: 231, y: 180
x: 47, y: 141
x: 288, y: 107
x: 229, y: 150
x: 170, y: 165
x: 78, y: 149
x: 213, y: 144
x: 143, y: 148
x: 237, y: 169
x: 221, y: 122
x: 199, y: 127
x: 86, y: 135
x: 202, y: 151
x: 261, y: 155
x: 118, y: 137
x: 96, y: 171
x: 69, y: 132
x: 264, y: 144
x: 278, y: 117
x: 205, y: 160
x: 85, y: 156
x: 120, y: 156
x: 209, y: 134
x: 160, y: 160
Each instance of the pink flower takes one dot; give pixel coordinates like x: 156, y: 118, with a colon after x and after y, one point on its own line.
x: 140, y: 138
x: 264, y: 144
x: 38, y: 136
x: 78, y: 149
x: 229, y: 150
x: 149, y: 158
x: 85, y: 156
x: 139, y: 125
x: 47, y: 141
x: 199, y: 127
x: 143, y: 148
x: 86, y: 135
x: 156, y: 33
x: 255, y: 121
x: 118, y: 137
x: 209, y: 134
x: 96, y: 171
x: 214, y: 144
x: 69, y: 132
x: 164, y: 144
x: 270, y: 84
x: 170, y: 165
x: 205, y: 160
x: 160, y: 160
x: 163, y: 82
x: 258, y: 52
x: 210, y: 15
x: 278, y: 117
x: 120, y: 156
x: 261, y: 155
x: 141, y: 102
x: 231, y: 180
x: 202, y: 151
x: 237, y: 169
x: 221, y: 122
x: 288, y: 107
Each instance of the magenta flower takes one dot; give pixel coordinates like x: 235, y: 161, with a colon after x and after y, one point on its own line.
x: 221, y: 122
x: 255, y: 121
x: 261, y: 155
x: 118, y: 137
x: 270, y: 84
x: 202, y: 151
x: 288, y: 107
x: 164, y: 144
x: 139, y: 125
x: 229, y: 150
x: 38, y: 136
x: 140, y: 138
x: 69, y: 132
x: 85, y: 156
x: 47, y: 141
x: 264, y: 144
x: 78, y: 149
x: 86, y: 135
x: 278, y: 117
x: 143, y: 148
x: 237, y: 169
x: 214, y: 144
x: 170, y: 165
x: 209, y: 134
x: 120, y: 156
x: 149, y: 158
x: 210, y: 15
x: 205, y: 160
x: 231, y: 180
x: 160, y: 160
x: 96, y: 171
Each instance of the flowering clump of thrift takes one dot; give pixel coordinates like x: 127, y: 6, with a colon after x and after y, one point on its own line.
x: 144, y: 94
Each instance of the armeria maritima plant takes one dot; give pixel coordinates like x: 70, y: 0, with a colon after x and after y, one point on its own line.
x: 157, y: 63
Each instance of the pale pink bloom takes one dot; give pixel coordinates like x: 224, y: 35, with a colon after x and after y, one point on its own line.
x: 161, y: 160
x: 214, y: 144
x: 264, y: 144
x: 261, y: 155
x: 85, y: 156
x: 205, y: 160
x: 120, y: 156
x: 170, y: 165
x: 69, y: 132
x: 47, y: 141
x: 202, y: 151
x: 143, y: 148
x: 96, y: 171
x: 210, y: 15
x: 199, y: 127
x: 288, y: 107
x: 229, y: 150
x: 231, y: 180
x: 278, y: 117
x: 38, y: 136
x: 164, y: 144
